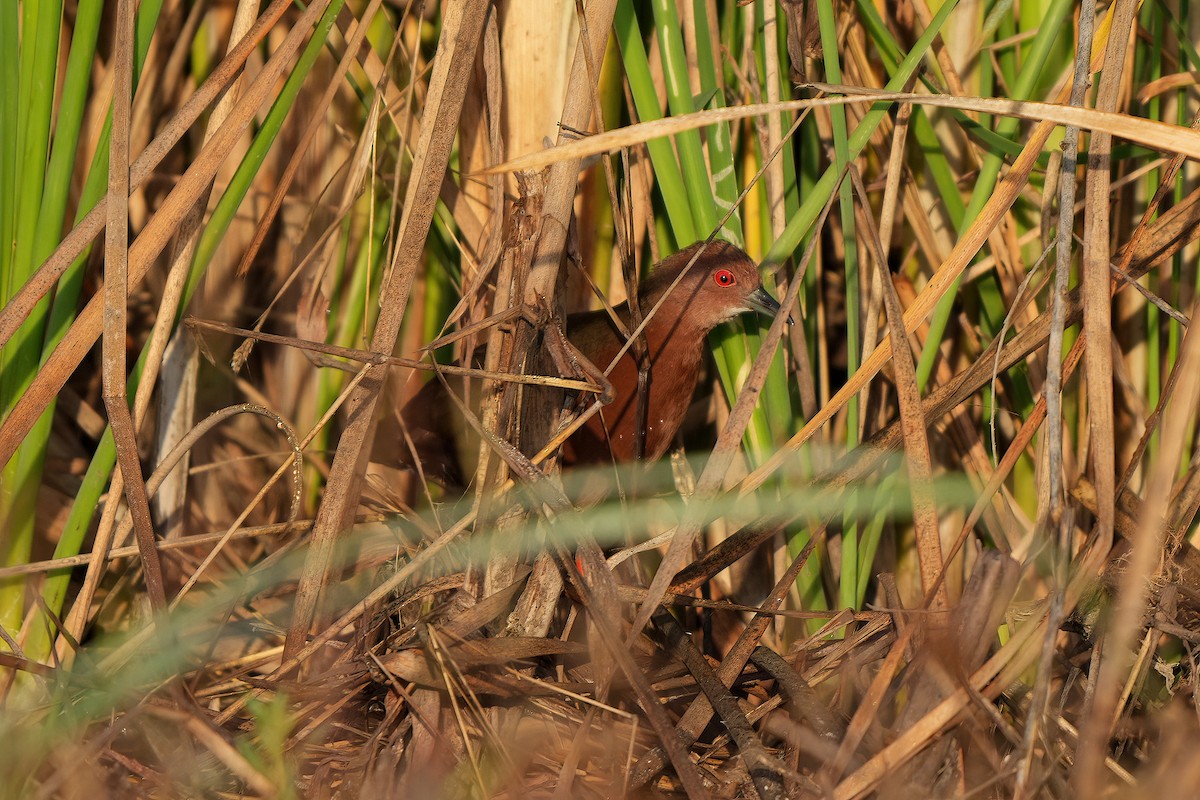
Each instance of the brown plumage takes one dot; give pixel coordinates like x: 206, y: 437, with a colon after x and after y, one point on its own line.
x: 722, y: 284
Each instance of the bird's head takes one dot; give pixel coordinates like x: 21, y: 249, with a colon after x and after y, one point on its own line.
x: 721, y: 284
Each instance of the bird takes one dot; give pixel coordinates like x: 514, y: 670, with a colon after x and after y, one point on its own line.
x: 723, y: 283
x: 682, y: 300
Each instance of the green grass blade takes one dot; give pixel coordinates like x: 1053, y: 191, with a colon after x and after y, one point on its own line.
x: 667, y: 174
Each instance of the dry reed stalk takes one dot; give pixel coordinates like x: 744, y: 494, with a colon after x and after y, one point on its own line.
x: 1095, y: 281
x: 912, y: 423
x: 1150, y: 133
x: 116, y: 271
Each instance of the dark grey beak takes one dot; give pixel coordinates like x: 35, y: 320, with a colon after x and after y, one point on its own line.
x: 760, y: 300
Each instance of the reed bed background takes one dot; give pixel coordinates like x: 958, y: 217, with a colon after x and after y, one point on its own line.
x: 935, y: 536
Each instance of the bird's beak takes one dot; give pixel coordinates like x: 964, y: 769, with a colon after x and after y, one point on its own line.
x: 761, y: 301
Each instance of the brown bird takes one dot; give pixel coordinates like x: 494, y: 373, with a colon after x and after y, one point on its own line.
x: 722, y: 284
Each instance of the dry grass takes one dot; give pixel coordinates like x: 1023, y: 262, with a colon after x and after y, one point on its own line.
x: 935, y: 537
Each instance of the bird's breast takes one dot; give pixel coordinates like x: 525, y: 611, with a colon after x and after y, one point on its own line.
x: 674, y: 370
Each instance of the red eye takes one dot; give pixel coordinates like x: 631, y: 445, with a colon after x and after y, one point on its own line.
x: 724, y: 277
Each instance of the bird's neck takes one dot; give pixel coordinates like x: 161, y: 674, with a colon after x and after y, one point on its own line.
x: 674, y: 337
